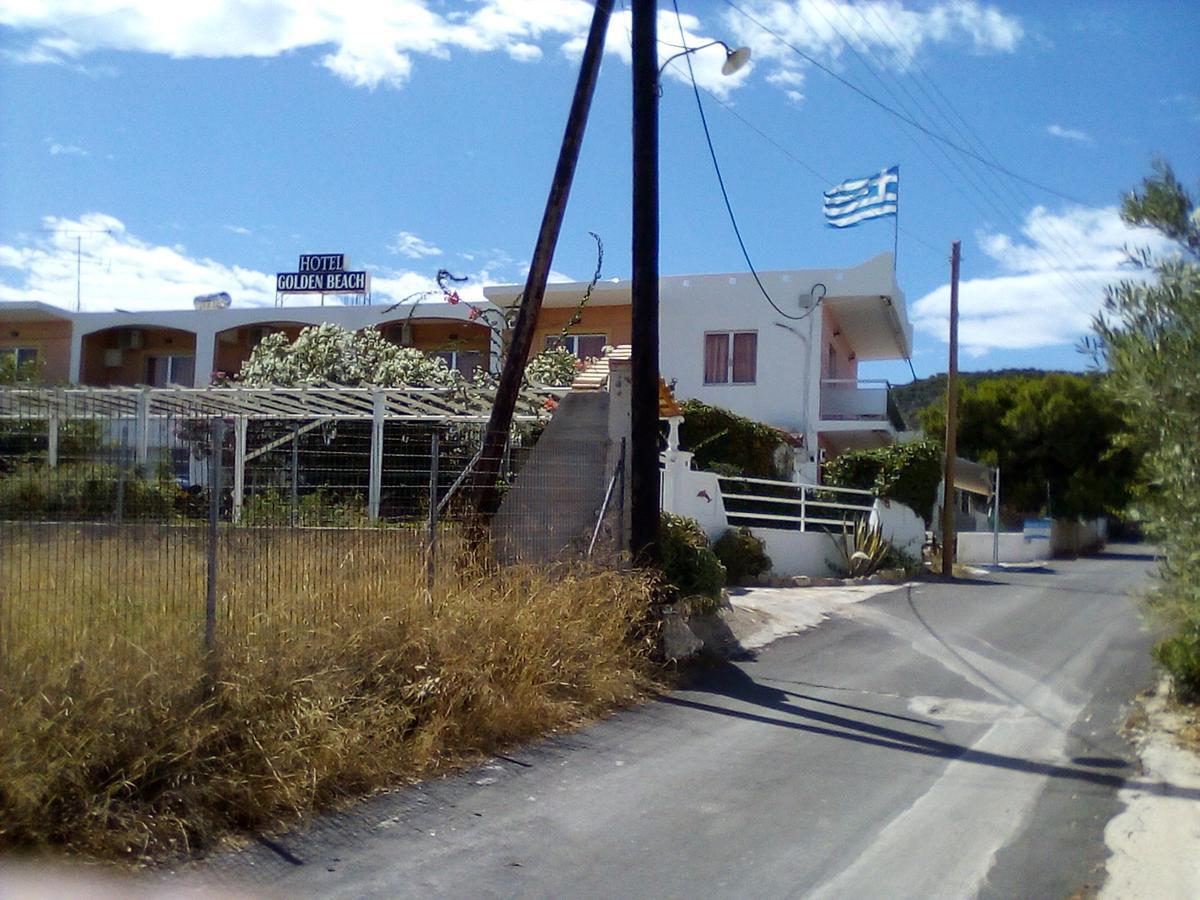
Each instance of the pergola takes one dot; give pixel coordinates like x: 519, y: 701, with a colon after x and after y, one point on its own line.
x: 308, y: 407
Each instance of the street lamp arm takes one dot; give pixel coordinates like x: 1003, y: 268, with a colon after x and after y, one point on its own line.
x: 734, y: 59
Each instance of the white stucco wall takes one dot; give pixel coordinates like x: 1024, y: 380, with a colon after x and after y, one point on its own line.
x: 782, y: 394
x: 899, y: 525
x: 975, y: 548
x: 799, y: 552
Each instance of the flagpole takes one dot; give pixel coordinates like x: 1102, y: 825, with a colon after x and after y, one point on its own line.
x: 896, y: 227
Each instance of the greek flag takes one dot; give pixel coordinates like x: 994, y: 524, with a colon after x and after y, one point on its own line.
x: 859, y: 199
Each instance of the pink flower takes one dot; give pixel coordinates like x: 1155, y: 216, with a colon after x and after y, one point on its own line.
x: 452, y: 297
x: 550, y: 403
x: 474, y: 313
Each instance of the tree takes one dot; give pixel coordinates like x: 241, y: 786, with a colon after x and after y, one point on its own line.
x: 1060, y: 441
x: 1148, y: 336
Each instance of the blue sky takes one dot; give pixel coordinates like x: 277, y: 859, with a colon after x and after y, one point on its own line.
x: 196, y: 150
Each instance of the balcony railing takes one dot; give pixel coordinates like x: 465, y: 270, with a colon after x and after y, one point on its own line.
x: 859, y: 400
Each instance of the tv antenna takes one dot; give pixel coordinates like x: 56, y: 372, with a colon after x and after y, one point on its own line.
x: 78, y: 234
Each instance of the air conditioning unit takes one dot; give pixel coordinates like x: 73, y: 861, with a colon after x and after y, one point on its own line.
x: 130, y: 338
x: 112, y: 359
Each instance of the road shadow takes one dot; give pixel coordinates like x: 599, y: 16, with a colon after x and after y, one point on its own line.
x: 730, y: 682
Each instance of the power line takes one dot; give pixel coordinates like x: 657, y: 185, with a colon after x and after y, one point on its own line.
x: 725, y: 194
x: 1060, y: 269
x: 825, y: 180
x: 899, y: 115
x: 721, y: 182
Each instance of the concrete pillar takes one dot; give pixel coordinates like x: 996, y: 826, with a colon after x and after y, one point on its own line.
x: 206, y: 360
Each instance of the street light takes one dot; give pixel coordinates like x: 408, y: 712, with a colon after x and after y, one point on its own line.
x: 645, y: 489
x: 734, y: 59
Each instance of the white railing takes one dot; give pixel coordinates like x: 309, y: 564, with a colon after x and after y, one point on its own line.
x: 785, y: 504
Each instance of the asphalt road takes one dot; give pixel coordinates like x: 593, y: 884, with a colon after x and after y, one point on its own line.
x: 942, y: 740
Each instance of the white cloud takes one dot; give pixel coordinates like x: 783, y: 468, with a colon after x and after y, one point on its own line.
x: 57, y: 149
x: 885, y: 31
x: 238, y: 229
x: 408, y: 244
x: 120, y: 271
x: 1069, y: 134
x: 1051, y: 281
x: 373, y: 43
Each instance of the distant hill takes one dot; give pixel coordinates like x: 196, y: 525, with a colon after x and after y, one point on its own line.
x: 914, y: 397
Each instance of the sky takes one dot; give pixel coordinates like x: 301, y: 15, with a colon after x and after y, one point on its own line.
x: 184, y: 149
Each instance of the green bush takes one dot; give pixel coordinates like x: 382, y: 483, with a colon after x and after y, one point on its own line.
x: 85, y: 491
x: 739, y: 446
x: 316, y: 508
x: 691, y: 570
x: 907, y: 473
x: 742, y: 554
x: 1179, y: 655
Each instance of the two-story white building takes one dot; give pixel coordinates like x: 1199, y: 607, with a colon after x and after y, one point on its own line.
x: 722, y: 342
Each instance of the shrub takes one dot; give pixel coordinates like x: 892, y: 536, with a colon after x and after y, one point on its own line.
x: 1179, y: 655
x: 556, y: 367
x: 740, y: 446
x: 742, y: 554
x: 85, y: 491
x: 907, y: 473
x: 690, y: 569
x: 320, y: 507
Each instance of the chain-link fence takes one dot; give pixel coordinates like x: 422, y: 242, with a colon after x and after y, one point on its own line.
x: 138, y: 522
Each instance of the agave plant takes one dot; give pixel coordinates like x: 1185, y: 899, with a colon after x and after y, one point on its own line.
x: 863, y: 550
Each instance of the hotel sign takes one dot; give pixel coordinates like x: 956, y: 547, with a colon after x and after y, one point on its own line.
x: 323, y: 273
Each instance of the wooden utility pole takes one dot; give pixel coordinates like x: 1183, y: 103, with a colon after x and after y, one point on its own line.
x: 643, y: 458
x: 500, y: 421
x: 948, y: 533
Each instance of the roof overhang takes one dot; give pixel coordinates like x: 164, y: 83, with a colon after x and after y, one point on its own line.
x: 564, y: 294
x: 875, y: 325
x: 32, y: 311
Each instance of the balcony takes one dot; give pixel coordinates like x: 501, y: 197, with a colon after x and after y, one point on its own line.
x: 858, y: 413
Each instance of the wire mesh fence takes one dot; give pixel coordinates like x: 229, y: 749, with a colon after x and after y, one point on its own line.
x: 154, y: 526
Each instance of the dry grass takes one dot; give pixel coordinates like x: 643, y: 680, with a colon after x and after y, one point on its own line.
x: 337, y: 674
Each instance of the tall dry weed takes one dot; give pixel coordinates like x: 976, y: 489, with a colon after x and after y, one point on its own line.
x: 114, y: 742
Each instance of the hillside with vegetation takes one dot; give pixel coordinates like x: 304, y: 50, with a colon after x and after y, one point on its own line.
x: 924, y: 392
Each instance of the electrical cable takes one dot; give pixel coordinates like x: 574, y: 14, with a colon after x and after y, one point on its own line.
x: 721, y: 182
x: 1060, y: 269
x: 899, y: 115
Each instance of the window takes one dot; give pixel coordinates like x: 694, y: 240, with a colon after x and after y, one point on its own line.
x: 164, y: 370
x: 465, y: 361
x: 730, y: 356
x: 584, y: 346
x: 18, y: 356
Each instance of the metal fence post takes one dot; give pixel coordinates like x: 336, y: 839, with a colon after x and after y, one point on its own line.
x: 295, y: 474
x: 239, y: 467
x: 217, y: 440
x: 431, y: 556
x: 119, y: 506
x: 52, y: 441
x: 142, y: 431
x: 621, y: 499
x: 375, y: 481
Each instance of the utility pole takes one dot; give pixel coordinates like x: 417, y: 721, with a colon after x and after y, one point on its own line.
x: 500, y: 421
x: 948, y: 532
x: 643, y: 469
